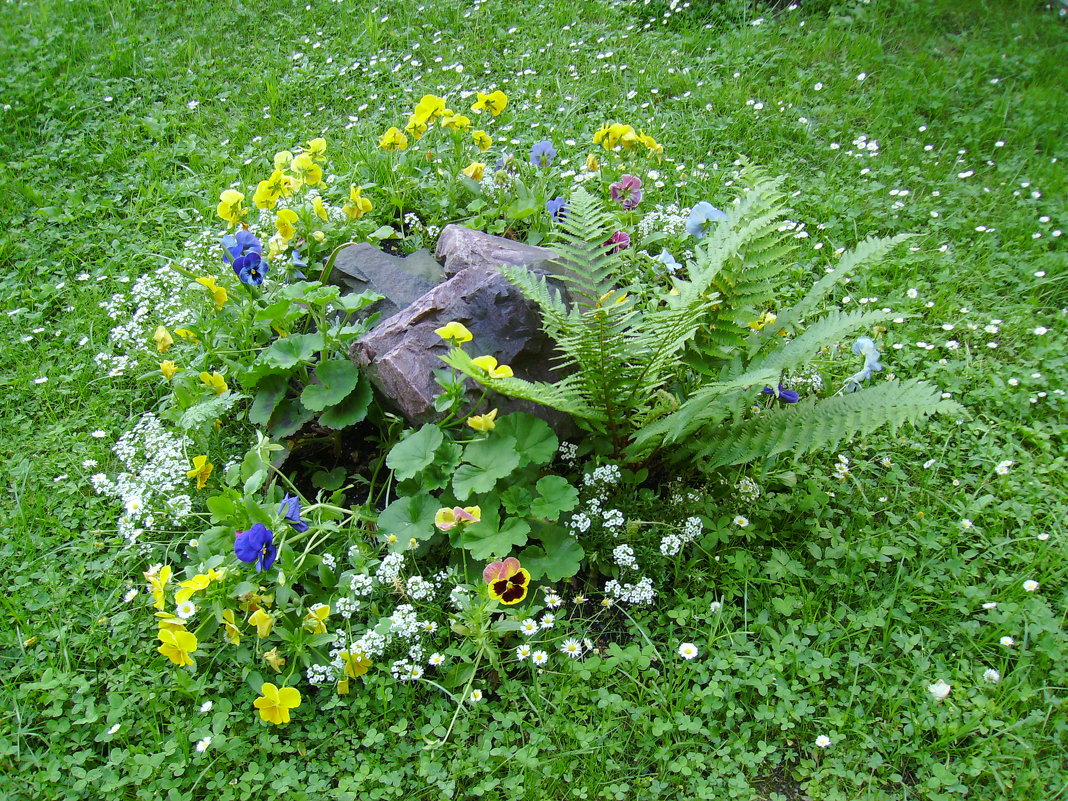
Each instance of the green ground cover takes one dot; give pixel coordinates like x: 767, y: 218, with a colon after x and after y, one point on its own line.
x: 863, y: 581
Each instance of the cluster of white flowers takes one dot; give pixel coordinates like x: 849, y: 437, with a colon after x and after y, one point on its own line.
x: 640, y: 593
x: 613, y: 521
x: 404, y: 621
x: 360, y: 585
x: 623, y: 555
x: 669, y: 220
x: 673, y: 543
x: 579, y: 523
x: 568, y: 452
x: 390, y: 568
x: 604, y: 476
x: 156, y: 298
x: 418, y: 588
x: 748, y: 490
x: 319, y: 675
x: 808, y: 379
x: 346, y: 607
x: 329, y: 560
x: 155, y: 470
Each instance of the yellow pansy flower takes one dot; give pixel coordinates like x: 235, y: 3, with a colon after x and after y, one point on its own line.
x: 315, y: 620
x: 168, y: 622
x: 357, y: 205
x: 306, y: 170
x: 767, y: 318
x: 201, y: 469
x: 613, y: 135
x: 268, y: 192
x: 199, y: 582
x: 316, y: 148
x: 489, y: 364
x: 482, y: 139
x: 168, y: 369
x: 230, y: 208
x: 274, y: 659
x: 218, y: 293
x: 393, y: 139
x: 474, y: 170
x: 157, y: 583
x: 185, y: 333
x: 591, y: 163
x: 177, y: 646
x: 455, y: 122
x: 446, y: 519
x: 274, y: 704
x: 483, y: 422
x: 263, y: 621
x: 285, y: 222
x: 416, y: 127
x: 215, y: 381
x: 233, y: 633
x: 454, y: 332
x: 429, y: 108
x: 320, y: 209
x: 494, y: 102
x: 282, y: 160
x: 355, y: 664
x: 163, y: 339
x: 651, y: 144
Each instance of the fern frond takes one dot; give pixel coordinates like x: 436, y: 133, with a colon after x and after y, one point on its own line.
x: 812, y: 425
x: 831, y: 327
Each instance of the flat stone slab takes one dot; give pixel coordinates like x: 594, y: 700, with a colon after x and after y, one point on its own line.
x: 459, y: 248
x: 400, y: 280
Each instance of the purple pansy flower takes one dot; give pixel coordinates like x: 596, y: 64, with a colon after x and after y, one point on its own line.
x: 237, y: 245
x: 251, y: 268
x: 256, y: 545
x: 785, y: 395
x: 627, y: 190
x: 557, y: 207
x: 542, y: 154
x: 290, y: 511
x: 621, y: 241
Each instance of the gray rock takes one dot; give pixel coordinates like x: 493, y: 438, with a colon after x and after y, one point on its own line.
x: 401, y: 280
x: 460, y: 248
x: 401, y: 353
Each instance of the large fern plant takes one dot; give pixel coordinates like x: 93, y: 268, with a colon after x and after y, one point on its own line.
x: 674, y: 373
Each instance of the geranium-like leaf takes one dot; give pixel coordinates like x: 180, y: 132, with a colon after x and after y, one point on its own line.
x: 351, y: 410
x: 556, y: 496
x: 292, y: 350
x: 337, y: 378
x: 414, y: 452
x: 558, y: 557
x: 288, y: 418
x: 489, y: 539
x: 410, y: 517
x: 534, y: 440
x: 485, y: 463
x: 271, y: 391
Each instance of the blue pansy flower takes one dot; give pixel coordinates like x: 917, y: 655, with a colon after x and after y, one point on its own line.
x: 237, y: 245
x: 557, y: 207
x: 251, y: 268
x: 542, y: 154
x: 864, y: 346
x: 290, y: 511
x: 669, y: 262
x: 701, y: 218
x: 785, y: 395
x: 256, y: 546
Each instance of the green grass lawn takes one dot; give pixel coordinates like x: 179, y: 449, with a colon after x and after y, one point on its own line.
x: 862, y: 578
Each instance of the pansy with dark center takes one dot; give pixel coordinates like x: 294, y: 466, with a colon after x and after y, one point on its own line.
x: 290, y: 511
x: 237, y: 245
x: 256, y: 546
x: 557, y: 207
x: 620, y: 240
x: 785, y: 395
x: 627, y: 191
x: 542, y: 154
x: 508, y: 582
x: 251, y: 268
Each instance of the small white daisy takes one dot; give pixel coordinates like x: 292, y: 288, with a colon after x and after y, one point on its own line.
x: 540, y: 657
x: 476, y: 696
x: 529, y: 627
x: 1008, y: 642
x: 548, y: 620
x: 522, y: 652
x: 1003, y: 467
x: 939, y: 689
x: 715, y: 607
x: 131, y: 594
x: 990, y: 605
x: 741, y: 521
x: 992, y: 675
x: 572, y: 648
x: 1030, y: 585
x: 552, y: 600
x: 1043, y: 536
x: 99, y: 434
x: 688, y: 650
x: 823, y: 741
x: 185, y: 610
x: 115, y: 728
x: 202, y: 745
x: 436, y: 659
x: 966, y: 524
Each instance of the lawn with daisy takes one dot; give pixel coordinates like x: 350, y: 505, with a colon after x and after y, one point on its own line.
x: 787, y: 522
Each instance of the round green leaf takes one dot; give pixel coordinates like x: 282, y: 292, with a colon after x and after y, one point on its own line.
x: 337, y: 378
x: 414, y: 452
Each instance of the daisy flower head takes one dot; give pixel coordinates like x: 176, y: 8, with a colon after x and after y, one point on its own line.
x: 202, y: 745
x: 185, y: 610
x: 823, y: 741
x: 548, y: 620
x: 205, y: 707
x: 715, y: 607
x: 741, y: 521
x: 476, y: 696
x: 522, y: 652
x: 436, y: 659
x: 571, y: 648
x: 1003, y: 467
x: 688, y: 650
x: 552, y: 600
x: 1007, y: 641
x: 1030, y: 585
x: 991, y: 675
x: 529, y: 627
x: 540, y: 658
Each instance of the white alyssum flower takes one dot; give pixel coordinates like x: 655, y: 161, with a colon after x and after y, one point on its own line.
x: 688, y: 650
x: 939, y: 689
x: 1007, y: 641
